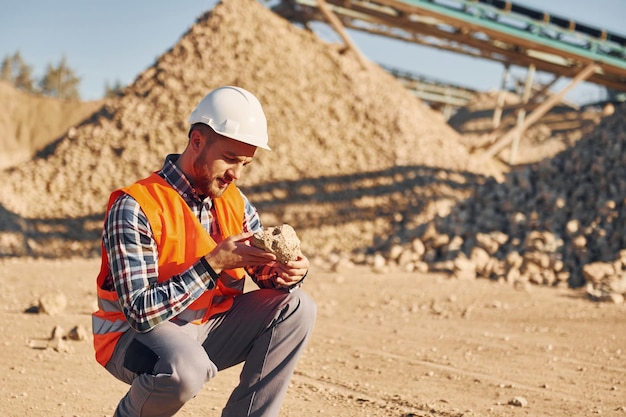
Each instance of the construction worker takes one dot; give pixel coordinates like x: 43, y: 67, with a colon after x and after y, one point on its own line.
x: 175, y: 251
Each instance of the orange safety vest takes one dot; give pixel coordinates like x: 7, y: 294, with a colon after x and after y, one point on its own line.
x: 181, y: 240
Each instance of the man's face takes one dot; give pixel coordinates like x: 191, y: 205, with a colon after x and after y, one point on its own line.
x: 217, y: 162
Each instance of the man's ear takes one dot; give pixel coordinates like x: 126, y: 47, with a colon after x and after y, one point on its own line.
x: 195, y: 140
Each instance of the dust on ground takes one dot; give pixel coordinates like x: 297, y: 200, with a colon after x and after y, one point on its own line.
x: 395, y: 344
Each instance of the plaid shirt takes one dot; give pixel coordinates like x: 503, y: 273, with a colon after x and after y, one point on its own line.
x: 133, y: 256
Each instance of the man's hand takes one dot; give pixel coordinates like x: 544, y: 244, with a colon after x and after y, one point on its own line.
x: 236, y: 252
x: 292, y: 272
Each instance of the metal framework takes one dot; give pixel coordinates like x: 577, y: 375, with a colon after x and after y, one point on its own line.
x: 437, y: 93
x: 496, y: 30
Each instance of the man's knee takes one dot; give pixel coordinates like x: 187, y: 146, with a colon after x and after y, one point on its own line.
x: 303, y: 312
x: 308, y: 308
x: 189, y: 374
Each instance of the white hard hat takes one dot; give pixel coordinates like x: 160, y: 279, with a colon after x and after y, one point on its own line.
x: 235, y: 113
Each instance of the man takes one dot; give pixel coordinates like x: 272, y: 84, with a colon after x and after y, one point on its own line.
x: 175, y: 252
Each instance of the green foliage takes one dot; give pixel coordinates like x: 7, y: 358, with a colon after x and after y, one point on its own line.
x: 116, y: 90
x: 60, y: 81
x: 15, y: 71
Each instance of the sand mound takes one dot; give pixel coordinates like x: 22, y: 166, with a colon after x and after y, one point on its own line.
x: 359, y: 164
x: 30, y: 122
x: 340, y: 134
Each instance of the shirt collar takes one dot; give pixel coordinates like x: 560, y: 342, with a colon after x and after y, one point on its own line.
x: 177, y: 179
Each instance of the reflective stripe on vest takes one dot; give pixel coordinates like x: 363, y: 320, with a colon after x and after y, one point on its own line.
x: 181, y: 240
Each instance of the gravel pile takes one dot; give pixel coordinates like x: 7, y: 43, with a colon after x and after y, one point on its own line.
x: 340, y: 136
x: 361, y: 169
x: 556, y: 222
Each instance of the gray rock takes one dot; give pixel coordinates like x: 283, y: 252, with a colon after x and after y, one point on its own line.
x: 282, y: 241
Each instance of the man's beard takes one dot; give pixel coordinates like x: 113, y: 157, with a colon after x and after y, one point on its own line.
x: 210, y: 187
x: 204, y: 184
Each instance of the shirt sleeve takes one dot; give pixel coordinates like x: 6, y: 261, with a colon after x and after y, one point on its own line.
x: 133, y: 264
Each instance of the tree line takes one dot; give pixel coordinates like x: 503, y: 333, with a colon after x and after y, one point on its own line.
x: 59, y: 81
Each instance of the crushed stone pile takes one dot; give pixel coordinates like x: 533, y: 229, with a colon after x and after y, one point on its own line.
x: 559, y: 222
x: 341, y: 136
x: 361, y: 168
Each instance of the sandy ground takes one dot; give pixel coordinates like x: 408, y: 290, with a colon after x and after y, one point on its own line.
x: 385, y: 345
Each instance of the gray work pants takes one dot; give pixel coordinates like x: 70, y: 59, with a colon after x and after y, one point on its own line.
x: 266, y: 329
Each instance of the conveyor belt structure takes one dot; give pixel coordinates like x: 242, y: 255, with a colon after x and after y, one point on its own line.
x: 497, y: 30
x: 432, y: 90
x: 437, y: 93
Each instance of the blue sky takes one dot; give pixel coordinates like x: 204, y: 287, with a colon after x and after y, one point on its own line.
x: 107, y: 41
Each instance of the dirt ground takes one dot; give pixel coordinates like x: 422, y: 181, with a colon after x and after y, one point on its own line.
x: 399, y: 344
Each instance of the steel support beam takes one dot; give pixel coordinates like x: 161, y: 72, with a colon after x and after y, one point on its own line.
x: 535, y: 115
x: 336, y: 24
